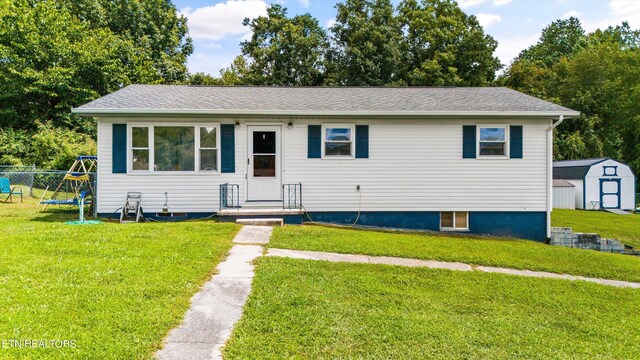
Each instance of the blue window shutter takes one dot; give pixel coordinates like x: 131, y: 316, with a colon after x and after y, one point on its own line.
x: 515, y: 141
x: 119, y: 148
x: 468, y: 141
x: 228, y: 148
x: 362, y: 141
x: 314, y: 142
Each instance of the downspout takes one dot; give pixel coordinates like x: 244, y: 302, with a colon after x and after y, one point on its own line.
x: 550, y: 171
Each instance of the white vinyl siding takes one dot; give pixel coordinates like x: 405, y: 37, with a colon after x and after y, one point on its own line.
x: 413, y: 165
x: 192, y: 191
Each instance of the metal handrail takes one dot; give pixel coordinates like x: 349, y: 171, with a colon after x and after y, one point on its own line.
x: 229, y: 196
x: 291, y: 196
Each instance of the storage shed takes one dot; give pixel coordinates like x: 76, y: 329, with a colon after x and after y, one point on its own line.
x: 564, y: 195
x: 601, y: 183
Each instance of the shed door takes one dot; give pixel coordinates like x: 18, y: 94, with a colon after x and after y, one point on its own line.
x: 610, y: 193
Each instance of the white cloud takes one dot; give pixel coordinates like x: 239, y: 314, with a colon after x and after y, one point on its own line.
x: 501, y: 2
x: 304, y: 3
x: 619, y: 11
x: 487, y: 20
x: 224, y: 19
x: 330, y: 23
x: 510, y: 47
x: 465, y: 4
x: 572, y: 13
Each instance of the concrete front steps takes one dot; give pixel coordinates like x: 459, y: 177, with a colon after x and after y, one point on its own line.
x: 262, y: 214
x: 261, y: 221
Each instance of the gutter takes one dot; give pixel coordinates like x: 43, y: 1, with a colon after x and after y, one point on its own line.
x: 550, y: 171
x: 172, y: 112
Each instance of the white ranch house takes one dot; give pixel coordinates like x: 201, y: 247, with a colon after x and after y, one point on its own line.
x: 476, y: 160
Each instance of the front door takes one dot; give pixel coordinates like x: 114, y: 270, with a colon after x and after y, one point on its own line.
x: 610, y: 193
x: 263, y: 175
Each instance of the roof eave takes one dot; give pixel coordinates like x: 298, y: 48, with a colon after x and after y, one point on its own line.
x: 172, y: 112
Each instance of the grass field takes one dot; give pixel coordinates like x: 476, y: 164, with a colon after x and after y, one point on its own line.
x: 625, y: 228
x: 520, y: 254
x: 116, y: 290
x: 316, y: 310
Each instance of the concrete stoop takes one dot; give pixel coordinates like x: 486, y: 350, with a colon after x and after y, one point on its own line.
x: 261, y: 221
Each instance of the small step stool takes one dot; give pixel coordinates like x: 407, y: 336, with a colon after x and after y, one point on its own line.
x: 262, y: 221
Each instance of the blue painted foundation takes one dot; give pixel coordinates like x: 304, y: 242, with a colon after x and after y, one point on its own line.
x: 524, y: 225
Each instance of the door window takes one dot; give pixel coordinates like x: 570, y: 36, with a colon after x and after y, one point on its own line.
x: 264, y: 153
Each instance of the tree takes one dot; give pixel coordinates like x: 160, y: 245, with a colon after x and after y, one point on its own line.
x: 201, y: 78
x: 597, y: 74
x: 55, y: 55
x: 154, y: 26
x: 562, y: 38
x: 443, y: 46
x: 284, y: 51
x: 366, y: 37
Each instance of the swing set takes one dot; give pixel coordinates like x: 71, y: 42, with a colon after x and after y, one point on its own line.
x: 75, y: 184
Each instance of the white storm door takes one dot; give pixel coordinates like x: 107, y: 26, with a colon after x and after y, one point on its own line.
x: 264, y: 174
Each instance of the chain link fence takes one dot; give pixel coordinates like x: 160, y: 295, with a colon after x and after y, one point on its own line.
x: 51, y: 191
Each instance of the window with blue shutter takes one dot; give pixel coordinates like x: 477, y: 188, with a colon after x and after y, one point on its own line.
x: 227, y: 148
x: 468, y: 141
x: 515, y: 141
x: 362, y: 141
x: 119, y: 148
x: 314, y: 141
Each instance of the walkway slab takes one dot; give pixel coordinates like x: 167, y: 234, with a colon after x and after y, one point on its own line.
x: 251, y: 234
x: 455, y: 266
x: 217, y: 306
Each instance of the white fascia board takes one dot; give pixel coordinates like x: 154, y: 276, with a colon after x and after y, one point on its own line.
x: 120, y: 112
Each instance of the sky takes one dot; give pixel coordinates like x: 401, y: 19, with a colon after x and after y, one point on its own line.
x: 216, y: 25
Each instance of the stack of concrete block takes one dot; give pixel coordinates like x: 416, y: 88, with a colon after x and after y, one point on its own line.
x: 564, y: 236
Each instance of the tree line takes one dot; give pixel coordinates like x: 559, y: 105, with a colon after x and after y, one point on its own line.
x: 55, y: 55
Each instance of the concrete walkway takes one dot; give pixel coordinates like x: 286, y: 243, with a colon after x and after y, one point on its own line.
x: 218, y: 305
x: 335, y: 257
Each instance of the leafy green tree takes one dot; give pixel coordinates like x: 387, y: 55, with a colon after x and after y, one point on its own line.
x: 201, y: 78
x: 560, y: 39
x: 52, y: 62
x: 284, y: 51
x: 366, y: 37
x: 597, y: 74
x: 154, y: 26
x: 59, y: 54
x: 443, y: 46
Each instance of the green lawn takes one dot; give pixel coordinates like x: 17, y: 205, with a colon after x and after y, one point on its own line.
x: 520, y: 254
x: 625, y: 228
x: 116, y: 290
x: 314, y: 309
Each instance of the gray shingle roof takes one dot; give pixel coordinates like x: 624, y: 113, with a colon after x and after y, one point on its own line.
x: 183, y: 99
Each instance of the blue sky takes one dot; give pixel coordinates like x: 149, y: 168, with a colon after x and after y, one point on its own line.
x: 216, y: 25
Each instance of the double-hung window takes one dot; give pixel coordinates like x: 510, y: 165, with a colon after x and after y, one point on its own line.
x: 338, y: 141
x: 140, y: 148
x: 492, y: 141
x: 208, y: 149
x: 174, y: 148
